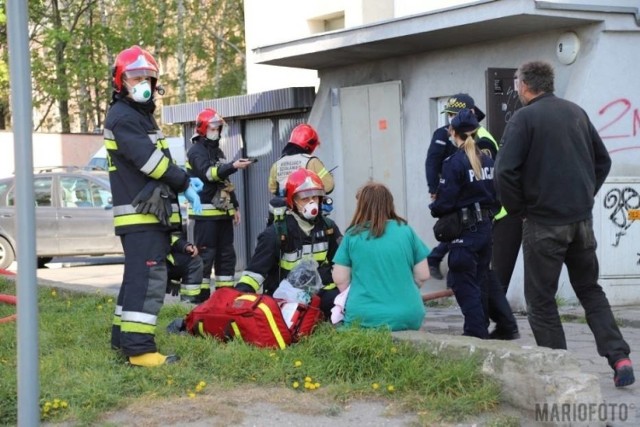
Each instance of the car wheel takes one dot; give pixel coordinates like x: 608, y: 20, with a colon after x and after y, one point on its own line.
x: 7, y: 256
x: 43, y: 260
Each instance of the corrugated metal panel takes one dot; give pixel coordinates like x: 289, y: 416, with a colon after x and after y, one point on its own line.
x: 264, y: 139
x: 257, y: 104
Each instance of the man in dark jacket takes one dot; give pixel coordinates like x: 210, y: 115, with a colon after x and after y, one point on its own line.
x: 551, y: 165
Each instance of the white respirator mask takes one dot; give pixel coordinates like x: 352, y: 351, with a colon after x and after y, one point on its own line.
x: 310, y: 210
x: 141, y: 92
x: 213, y: 134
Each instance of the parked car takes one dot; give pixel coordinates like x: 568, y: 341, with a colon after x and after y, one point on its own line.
x: 73, y: 215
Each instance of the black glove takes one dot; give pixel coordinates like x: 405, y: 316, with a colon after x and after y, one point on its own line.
x: 173, y: 288
x: 155, y: 197
x: 141, y: 201
x: 243, y: 287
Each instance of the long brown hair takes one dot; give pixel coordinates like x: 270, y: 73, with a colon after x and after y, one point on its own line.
x: 470, y: 149
x: 375, y: 207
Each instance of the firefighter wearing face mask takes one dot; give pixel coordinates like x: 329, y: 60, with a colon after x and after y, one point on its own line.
x: 144, y: 182
x: 303, y: 231
x: 213, y: 230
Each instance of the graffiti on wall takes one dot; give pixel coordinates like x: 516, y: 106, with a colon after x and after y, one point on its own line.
x: 621, y: 121
x: 620, y: 201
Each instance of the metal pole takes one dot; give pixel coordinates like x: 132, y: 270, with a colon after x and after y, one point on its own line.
x: 27, y: 293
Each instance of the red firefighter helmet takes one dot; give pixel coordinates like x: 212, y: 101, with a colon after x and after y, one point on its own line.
x: 134, y: 62
x: 305, y: 136
x: 304, y: 182
x: 208, y: 118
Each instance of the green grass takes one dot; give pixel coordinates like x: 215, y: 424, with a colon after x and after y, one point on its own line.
x: 78, y: 368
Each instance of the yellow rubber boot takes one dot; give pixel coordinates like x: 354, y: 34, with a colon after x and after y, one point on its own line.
x: 149, y: 360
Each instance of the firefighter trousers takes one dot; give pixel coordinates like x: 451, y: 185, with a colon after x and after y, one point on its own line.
x: 142, y: 291
x: 214, y: 240
x: 187, y: 270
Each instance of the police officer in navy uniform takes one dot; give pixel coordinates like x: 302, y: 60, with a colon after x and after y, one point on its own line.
x: 440, y: 148
x: 303, y: 231
x: 466, y: 186
x: 213, y: 229
x: 144, y: 183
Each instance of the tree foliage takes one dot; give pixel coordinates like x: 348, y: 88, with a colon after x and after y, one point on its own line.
x: 198, y: 44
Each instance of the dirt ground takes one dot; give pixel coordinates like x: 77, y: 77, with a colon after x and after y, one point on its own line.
x: 259, y: 407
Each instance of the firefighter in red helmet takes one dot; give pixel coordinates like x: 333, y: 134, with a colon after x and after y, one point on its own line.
x: 213, y: 230
x: 302, y: 232
x: 145, y: 183
x: 298, y: 153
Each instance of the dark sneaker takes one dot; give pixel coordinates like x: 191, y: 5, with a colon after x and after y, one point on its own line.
x: 623, y: 375
x: 177, y: 327
x: 434, y: 270
x: 498, y: 334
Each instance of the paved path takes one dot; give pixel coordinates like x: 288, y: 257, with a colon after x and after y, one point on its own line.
x: 581, y: 345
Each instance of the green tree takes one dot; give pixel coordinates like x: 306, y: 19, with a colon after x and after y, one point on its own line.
x: 199, y: 46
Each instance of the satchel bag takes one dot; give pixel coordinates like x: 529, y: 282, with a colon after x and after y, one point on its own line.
x: 448, y: 227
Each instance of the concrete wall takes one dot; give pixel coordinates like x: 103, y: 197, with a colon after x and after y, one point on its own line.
x: 601, y: 80
x: 51, y: 150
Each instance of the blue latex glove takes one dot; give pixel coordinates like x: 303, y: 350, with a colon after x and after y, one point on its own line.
x: 197, y: 183
x: 192, y: 196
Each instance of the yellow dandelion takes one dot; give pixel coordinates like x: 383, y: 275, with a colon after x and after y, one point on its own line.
x: 64, y: 404
x: 191, y: 395
x: 47, y: 404
x: 169, y: 381
x: 394, y: 350
x: 391, y: 388
x: 202, y: 384
x: 307, y: 385
x: 55, y: 405
x: 54, y: 293
x: 312, y: 387
x: 297, y: 363
x: 110, y: 300
x: 317, y: 385
x: 45, y: 409
x: 295, y: 384
x: 375, y: 386
x: 198, y: 389
x: 99, y: 307
x: 307, y: 379
x: 56, y: 400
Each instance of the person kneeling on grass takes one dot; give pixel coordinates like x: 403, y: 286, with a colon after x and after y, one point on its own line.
x: 383, y: 263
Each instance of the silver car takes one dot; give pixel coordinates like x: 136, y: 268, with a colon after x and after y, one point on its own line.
x: 73, y: 215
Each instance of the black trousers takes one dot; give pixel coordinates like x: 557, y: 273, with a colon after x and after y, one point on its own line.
x: 186, y: 269
x: 214, y: 240
x: 437, y: 254
x: 507, y: 237
x: 546, y: 248
x: 469, y: 258
x: 142, y: 292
